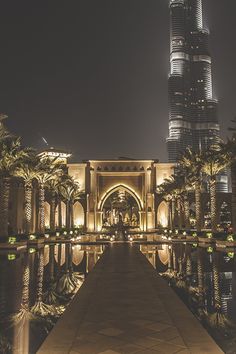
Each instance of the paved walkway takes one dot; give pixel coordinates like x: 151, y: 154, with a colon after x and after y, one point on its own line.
x: 125, y: 307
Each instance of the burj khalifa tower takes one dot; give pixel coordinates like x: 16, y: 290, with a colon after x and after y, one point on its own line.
x: 193, y: 118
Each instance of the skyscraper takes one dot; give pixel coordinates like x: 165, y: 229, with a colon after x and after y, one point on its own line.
x: 193, y: 118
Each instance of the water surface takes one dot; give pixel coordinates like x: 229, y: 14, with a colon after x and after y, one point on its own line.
x: 205, y: 280
x: 36, y: 286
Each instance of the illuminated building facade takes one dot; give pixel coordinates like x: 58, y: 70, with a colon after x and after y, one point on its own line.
x: 106, y: 183
x: 193, y: 118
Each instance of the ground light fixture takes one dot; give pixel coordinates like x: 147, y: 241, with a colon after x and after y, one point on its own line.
x: 11, y: 257
x: 32, y: 237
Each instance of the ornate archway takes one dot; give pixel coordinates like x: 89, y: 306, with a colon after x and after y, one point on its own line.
x: 117, y: 188
x: 120, y: 204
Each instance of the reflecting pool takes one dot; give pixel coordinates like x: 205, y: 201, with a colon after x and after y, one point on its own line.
x: 205, y: 280
x: 36, y: 286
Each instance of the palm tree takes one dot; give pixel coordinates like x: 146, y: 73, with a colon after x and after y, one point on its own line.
x: 12, y: 155
x: 173, y: 190
x: 165, y: 192
x: 69, y: 190
x: 51, y: 297
x: 217, y: 318
x: 65, y: 285
x: 74, y: 197
x: 200, y: 277
x: 168, y: 191
x: 27, y: 172
x: 53, y: 186
x: 40, y: 308
x: 169, y: 273
x: 188, y: 264
x: 191, y: 163
x: 45, y: 171
x: 181, y: 189
x: 215, y: 162
x: 23, y: 316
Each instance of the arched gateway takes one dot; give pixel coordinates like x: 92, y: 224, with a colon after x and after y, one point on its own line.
x: 120, y: 190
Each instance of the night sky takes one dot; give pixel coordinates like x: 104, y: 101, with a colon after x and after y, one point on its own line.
x: 90, y: 76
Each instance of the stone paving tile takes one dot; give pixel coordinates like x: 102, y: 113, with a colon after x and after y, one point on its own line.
x: 124, y: 307
x: 146, y: 342
x: 166, y: 334
x: 167, y: 348
x: 128, y: 348
x: 111, y: 332
x: 97, y: 347
x: 159, y: 326
x: 178, y: 341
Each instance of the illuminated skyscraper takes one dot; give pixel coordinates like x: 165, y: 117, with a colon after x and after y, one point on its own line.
x: 193, y: 118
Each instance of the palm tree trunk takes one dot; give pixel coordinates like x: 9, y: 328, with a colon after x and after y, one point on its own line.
x: 39, y: 290
x: 180, y: 263
x: 175, y: 262
x: 186, y: 212
x: 216, y: 283
x: 233, y: 177
x: 169, y: 215
x: 51, y: 262
x: 67, y: 214
x: 173, y: 211
x: 213, y: 205
x: 26, y: 285
x: 4, y: 208
x: 59, y: 214
x: 53, y: 212
x: 28, y: 208
x: 170, y: 260
x: 72, y: 214
x: 200, y: 277
x: 189, y: 269
x: 180, y: 214
x: 41, y: 209
x: 198, y: 207
x: 200, y: 271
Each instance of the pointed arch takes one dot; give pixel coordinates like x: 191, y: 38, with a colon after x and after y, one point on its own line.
x: 78, y: 211
x: 116, y: 188
x: 162, y: 214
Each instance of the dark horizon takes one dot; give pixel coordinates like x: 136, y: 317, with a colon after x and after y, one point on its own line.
x: 91, y: 76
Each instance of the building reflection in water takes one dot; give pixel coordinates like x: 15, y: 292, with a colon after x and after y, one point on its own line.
x: 205, y: 280
x: 35, y: 288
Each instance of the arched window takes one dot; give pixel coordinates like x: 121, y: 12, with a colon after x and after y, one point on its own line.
x: 78, y: 214
x: 162, y: 214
